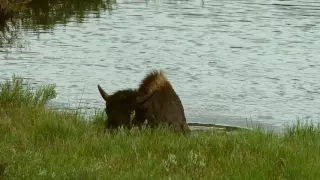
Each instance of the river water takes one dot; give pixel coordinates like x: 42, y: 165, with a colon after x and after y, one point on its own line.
x: 230, y: 61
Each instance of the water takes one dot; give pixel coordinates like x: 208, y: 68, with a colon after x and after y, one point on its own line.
x: 228, y: 60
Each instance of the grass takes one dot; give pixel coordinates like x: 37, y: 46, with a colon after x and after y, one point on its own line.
x: 37, y: 142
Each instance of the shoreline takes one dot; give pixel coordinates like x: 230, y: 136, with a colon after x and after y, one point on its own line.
x: 38, y: 142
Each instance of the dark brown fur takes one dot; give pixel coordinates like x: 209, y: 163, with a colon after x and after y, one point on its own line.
x: 155, y: 101
x: 163, y: 105
x: 119, y: 107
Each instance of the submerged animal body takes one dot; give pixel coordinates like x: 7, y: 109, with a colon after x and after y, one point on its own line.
x: 155, y: 101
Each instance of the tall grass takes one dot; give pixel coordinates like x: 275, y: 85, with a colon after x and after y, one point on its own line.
x: 37, y: 142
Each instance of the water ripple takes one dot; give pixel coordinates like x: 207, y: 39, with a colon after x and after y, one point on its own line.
x: 228, y: 60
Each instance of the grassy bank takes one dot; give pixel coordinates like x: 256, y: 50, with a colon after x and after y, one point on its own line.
x: 39, y: 143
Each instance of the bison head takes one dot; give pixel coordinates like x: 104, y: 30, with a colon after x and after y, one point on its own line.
x: 119, y: 107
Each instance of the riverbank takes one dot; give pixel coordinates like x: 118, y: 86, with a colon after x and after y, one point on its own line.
x: 39, y: 143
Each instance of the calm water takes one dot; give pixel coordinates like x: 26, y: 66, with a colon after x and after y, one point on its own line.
x: 228, y: 60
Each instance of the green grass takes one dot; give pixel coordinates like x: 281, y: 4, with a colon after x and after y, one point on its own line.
x: 41, y: 143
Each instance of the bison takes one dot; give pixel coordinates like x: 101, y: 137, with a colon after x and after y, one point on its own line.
x: 119, y: 107
x: 154, y: 101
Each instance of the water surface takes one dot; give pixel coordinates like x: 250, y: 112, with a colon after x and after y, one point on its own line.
x: 229, y: 61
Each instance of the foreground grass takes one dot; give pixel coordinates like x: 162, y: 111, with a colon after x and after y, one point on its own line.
x: 39, y: 143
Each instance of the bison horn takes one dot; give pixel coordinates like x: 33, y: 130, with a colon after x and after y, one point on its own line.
x: 143, y: 99
x: 103, y: 93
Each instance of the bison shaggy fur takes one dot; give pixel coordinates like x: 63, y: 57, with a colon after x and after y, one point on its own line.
x: 154, y: 101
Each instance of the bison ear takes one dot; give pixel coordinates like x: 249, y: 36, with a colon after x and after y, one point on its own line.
x: 103, y: 93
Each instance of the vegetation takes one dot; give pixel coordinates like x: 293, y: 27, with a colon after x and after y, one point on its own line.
x: 37, y: 142
x: 10, y: 7
x: 49, y: 12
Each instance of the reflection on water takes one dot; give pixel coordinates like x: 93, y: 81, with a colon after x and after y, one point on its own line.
x: 228, y: 60
x: 44, y: 15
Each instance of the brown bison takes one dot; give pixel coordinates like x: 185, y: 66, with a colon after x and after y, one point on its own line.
x: 154, y: 101
x: 119, y: 107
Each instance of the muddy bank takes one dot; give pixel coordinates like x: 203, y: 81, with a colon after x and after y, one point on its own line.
x: 216, y: 127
